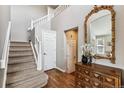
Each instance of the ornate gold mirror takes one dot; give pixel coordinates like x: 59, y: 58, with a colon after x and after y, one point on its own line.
x: 100, y: 32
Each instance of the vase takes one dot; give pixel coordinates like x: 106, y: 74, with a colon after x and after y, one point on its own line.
x: 89, y: 59
x: 84, y: 59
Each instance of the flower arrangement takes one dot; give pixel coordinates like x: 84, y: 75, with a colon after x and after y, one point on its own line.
x: 87, y: 53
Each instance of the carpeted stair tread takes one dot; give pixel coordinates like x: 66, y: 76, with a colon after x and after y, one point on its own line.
x: 41, y: 85
x: 20, y: 48
x: 20, y: 44
x: 22, y: 59
x: 17, y: 42
x: 20, y: 67
x: 30, y: 83
x: 20, y: 54
x: 21, y: 75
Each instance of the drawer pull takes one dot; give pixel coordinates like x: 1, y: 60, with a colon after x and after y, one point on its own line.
x: 108, y: 79
x: 86, y: 72
x: 79, y: 83
x: 87, y: 79
x: 96, y: 84
x: 96, y: 75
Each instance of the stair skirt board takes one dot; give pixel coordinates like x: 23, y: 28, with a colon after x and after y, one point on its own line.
x: 22, y: 71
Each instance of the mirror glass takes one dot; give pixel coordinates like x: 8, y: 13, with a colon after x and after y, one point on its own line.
x: 99, y: 33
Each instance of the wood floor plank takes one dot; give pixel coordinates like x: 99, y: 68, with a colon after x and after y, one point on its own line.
x: 58, y: 79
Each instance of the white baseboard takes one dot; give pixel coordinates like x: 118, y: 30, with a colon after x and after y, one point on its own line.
x: 60, y: 69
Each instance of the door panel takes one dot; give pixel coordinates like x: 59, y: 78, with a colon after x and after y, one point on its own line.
x: 49, y: 51
x: 71, y: 50
x: 71, y: 55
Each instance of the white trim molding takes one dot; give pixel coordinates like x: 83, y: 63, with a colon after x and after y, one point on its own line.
x: 5, y: 53
x: 60, y: 69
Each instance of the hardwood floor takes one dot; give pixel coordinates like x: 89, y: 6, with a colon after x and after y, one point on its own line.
x: 58, y: 79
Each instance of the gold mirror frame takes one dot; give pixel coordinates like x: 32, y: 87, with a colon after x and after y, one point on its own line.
x: 95, y: 10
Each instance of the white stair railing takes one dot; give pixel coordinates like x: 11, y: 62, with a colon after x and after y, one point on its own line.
x: 37, y: 49
x: 48, y: 17
x: 60, y: 9
x: 4, y: 60
x: 41, y: 20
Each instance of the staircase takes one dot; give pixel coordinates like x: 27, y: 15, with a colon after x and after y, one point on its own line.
x: 22, y: 71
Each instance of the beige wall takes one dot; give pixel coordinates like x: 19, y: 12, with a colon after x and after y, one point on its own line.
x: 73, y: 17
x: 4, y: 19
x: 21, y: 16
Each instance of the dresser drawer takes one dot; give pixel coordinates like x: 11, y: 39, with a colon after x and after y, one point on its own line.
x: 109, y: 80
x: 108, y: 85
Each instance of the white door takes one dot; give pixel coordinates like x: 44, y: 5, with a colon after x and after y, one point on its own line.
x: 49, y: 50
x: 71, y: 55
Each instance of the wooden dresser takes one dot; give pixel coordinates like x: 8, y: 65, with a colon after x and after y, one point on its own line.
x: 99, y: 76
